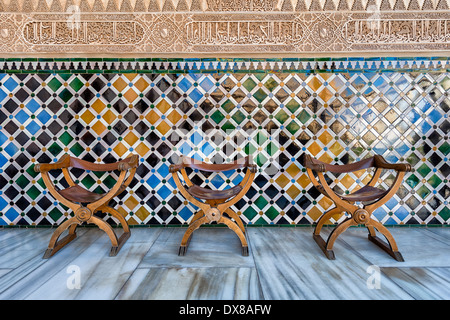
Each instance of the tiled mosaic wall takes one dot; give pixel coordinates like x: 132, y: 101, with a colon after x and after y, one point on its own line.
x: 337, y: 116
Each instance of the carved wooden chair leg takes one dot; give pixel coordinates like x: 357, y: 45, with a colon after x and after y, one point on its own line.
x: 75, y: 195
x: 236, y: 218
x: 233, y: 226
x: 369, y: 195
x: 126, y: 229
x: 55, y: 245
x: 391, y: 246
x: 324, y: 218
x: 327, y: 247
x: 213, y: 204
x: 110, y: 232
x: 197, y: 215
x: 187, y: 235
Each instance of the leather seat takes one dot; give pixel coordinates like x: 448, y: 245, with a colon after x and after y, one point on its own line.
x: 208, y: 194
x: 366, y: 193
x: 78, y: 194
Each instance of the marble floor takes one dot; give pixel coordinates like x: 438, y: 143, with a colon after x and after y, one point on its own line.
x: 283, y: 264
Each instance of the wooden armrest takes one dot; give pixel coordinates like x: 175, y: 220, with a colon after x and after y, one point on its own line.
x: 380, y: 162
x: 122, y: 165
x: 320, y: 166
x: 64, y: 162
x: 313, y: 164
x: 209, y: 167
x: 175, y: 167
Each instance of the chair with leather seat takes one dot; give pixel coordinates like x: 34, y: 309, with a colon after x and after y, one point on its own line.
x: 85, y: 203
x: 213, y: 204
x: 370, y: 197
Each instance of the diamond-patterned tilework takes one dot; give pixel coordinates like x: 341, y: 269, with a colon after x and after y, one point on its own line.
x: 338, y: 117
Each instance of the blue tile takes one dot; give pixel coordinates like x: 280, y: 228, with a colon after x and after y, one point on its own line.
x: 184, y: 84
x: 11, y: 149
x: 22, y: 116
x: 10, y: 84
x: 33, y: 105
x: 33, y: 127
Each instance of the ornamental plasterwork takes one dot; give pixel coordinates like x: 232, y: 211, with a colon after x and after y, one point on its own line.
x: 223, y: 27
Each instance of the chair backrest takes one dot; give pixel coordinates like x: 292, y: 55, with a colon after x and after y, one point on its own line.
x: 86, y: 165
x: 318, y: 165
x: 209, y: 167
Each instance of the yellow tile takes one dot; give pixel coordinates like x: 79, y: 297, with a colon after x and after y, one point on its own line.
x: 359, y: 173
x: 325, y: 203
x: 131, y: 202
x: 152, y: 117
x: 142, y: 213
x: 174, y: 117
x: 130, y: 95
x: 141, y: 84
x: 87, y: 116
x: 99, y: 127
x: 366, y: 179
x: 163, y: 106
x: 315, y: 213
x: 131, y: 138
x: 123, y: 212
x: 142, y: 149
x: 336, y: 148
x: 282, y: 180
x: 325, y: 94
x: 304, y: 181
x: 109, y: 117
x: 347, y: 181
x: 163, y: 127
x: 120, y: 84
x: 130, y: 76
x: 98, y: 106
x: 293, y: 170
x: 314, y: 83
x: 120, y: 149
x: 325, y: 138
x: 314, y: 149
x: 293, y: 192
x: 325, y: 158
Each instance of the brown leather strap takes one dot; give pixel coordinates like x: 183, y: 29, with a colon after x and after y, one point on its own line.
x: 380, y: 162
x: 209, y: 167
x: 320, y: 166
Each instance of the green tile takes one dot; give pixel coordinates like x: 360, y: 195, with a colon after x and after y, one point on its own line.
x: 424, y: 170
x: 249, y: 84
x: 261, y: 202
x: 54, y: 84
x: 217, y: 116
x: 412, y: 181
x: 66, y: 138
x: 260, y: 95
x: 76, y: 84
x: 304, y: 116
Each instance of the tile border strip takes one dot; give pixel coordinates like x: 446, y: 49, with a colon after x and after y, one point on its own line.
x: 224, y: 65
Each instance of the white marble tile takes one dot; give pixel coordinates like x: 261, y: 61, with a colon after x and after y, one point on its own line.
x: 291, y: 266
x: 213, y: 283
x: 209, y: 247
x: 101, y: 276
x: 420, y: 247
x: 422, y: 283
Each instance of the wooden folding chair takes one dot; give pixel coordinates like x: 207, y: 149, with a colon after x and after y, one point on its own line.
x: 214, y: 204
x: 85, y: 203
x: 370, y: 196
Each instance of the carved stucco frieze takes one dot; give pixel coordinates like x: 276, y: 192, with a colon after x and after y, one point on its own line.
x: 224, y: 26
